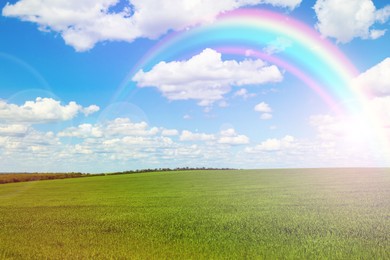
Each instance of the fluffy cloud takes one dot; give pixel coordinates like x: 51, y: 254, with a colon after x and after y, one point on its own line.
x: 276, y: 144
x: 352, y: 140
x: 90, y: 110
x: 14, y: 130
x: 124, y: 126
x: 42, y: 110
x: 266, y: 116
x: 265, y: 109
x: 80, y: 23
x: 23, y: 141
x: 82, y: 131
x: 193, y: 137
x: 380, y: 107
x: 205, y: 77
x: 169, y: 132
x: 273, y: 144
x: 244, y: 93
x: 119, y: 140
x: 116, y: 127
x: 84, y: 23
x: 345, y: 20
x: 327, y: 126
x: 357, y: 132
x: 282, y: 3
x: 97, y: 142
x: 138, y: 145
x: 376, y: 80
x: 225, y: 137
x: 230, y: 137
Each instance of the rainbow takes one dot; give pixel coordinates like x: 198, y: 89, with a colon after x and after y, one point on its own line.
x: 311, y: 58
x: 318, y: 63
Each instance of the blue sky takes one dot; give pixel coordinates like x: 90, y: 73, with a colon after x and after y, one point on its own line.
x: 63, y: 64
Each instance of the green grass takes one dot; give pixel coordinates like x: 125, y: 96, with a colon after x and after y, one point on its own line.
x: 283, y: 214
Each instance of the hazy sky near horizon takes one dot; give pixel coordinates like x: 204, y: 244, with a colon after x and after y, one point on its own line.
x: 110, y: 85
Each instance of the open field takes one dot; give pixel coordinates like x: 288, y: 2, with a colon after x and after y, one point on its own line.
x: 293, y: 214
x: 23, y: 177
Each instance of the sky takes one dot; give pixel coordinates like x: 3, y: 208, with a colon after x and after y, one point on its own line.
x: 108, y: 85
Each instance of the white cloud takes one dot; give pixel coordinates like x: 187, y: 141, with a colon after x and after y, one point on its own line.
x: 159, y: 149
x: 119, y: 140
x: 90, y: 110
x: 82, y: 131
x: 32, y: 150
x: 132, y: 146
x: 283, y: 3
x: 266, y: 116
x: 345, y: 20
x: 18, y: 139
x: 193, y: 137
x: 42, y: 110
x: 169, y: 132
x: 263, y: 107
x: 244, y: 93
x: 352, y: 140
x: 80, y: 23
x: 375, y: 34
x: 376, y: 80
x: 84, y: 23
x: 273, y: 144
x: 357, y: 132
x: 328, y: 127
x: 14, y: 130
x: 124, y: 126
x: 230, y: 137
x: 116, y: 127
x: 380, y: 107
x: 205, y: 77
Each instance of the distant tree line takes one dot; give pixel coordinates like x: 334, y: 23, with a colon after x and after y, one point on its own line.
x: 170, y: 170
x: 23, y: 177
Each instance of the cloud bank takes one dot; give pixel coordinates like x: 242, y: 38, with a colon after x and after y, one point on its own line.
x: 206, y: 77
x: 42, y: 110
x: 376, y: 80
x: 349, y: 19
x: 82, y: 24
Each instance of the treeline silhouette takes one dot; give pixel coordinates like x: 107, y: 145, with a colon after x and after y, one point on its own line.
x: 24, y: 177
x: 170, y: 170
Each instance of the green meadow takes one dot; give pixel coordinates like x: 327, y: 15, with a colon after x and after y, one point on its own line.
x: 236, y: 214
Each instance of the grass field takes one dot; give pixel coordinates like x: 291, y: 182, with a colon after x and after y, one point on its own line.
x: 283, y: 214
